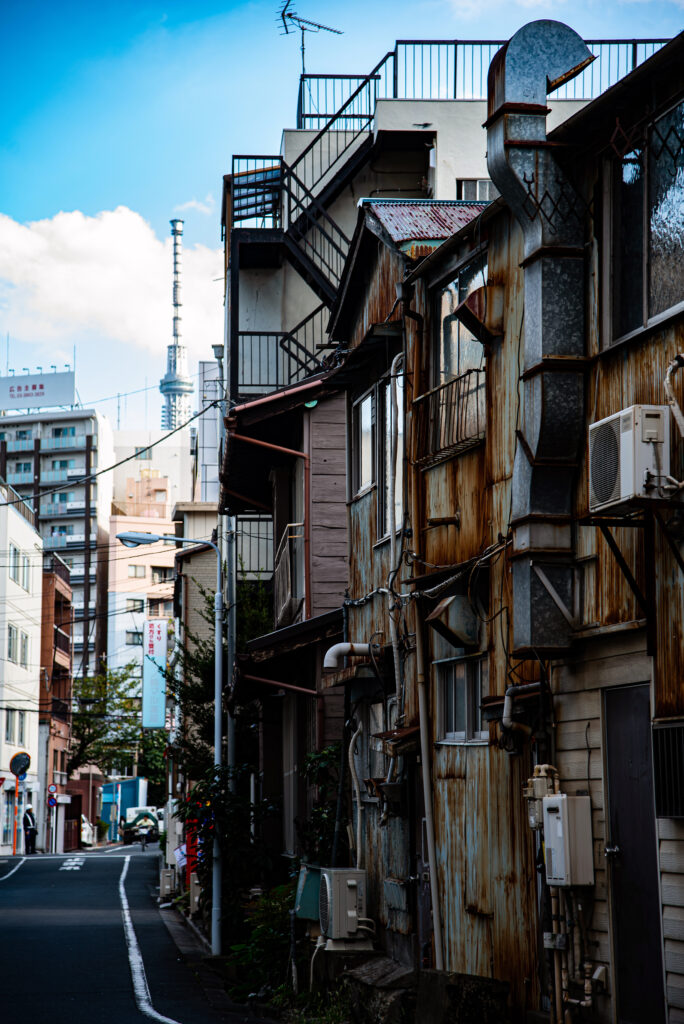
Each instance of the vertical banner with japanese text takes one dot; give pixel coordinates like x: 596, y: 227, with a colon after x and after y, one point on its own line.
x: 154, y: 667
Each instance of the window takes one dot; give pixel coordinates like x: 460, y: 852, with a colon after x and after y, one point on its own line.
x: 21, y: 731
x: 385, y: 455
x: 64, y: 463
x: 136, y: 571
x: 456, y: 349
x: 24, y: 435
x: 133, y: 637
x: 14, y: 563
x: 160, y: 609
x: 476, y: 189
x: 135, y: 604
x: 12, y: 643
x: 143, y: 453
x: 24, y: 650
x: 647, y: 213
x: 162, y: 573
x: 64, y: 431
x: 363, y: 427
x: 23, y: 467
x: 62, y: 497
x: 9, y: 725
x: 462, y: 685
x: 25, y: 572
x: 65, y: 530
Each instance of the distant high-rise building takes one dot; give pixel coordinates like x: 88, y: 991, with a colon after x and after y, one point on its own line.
x: 176, y: 385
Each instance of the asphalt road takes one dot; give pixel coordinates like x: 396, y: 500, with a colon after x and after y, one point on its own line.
x: 69, y: 954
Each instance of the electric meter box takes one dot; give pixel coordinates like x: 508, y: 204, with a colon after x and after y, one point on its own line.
x: 567, y: 840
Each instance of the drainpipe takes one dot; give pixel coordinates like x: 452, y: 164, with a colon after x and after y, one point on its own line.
x: 335, y: 653
x: 426, y: 765
x: 394, y: 639
x: 307, y: 502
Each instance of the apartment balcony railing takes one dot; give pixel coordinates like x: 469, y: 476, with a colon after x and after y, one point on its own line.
x: 22, y: 505
x: 55, y: 444
x: 54, y: 564
x: 441, y: 69
x: 78, y: 575
x: 20, y: 478
x: 61, y: 508
x: 451, y: 418
x: 268, y: 360
x: 62, y: 640
x: 24, y: 444
x: 65, y: 540
x: 288, y: 574
x: 79, y: 609
x: 254, y: 547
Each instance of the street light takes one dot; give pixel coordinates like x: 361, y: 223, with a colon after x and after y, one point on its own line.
x: 133, y: 539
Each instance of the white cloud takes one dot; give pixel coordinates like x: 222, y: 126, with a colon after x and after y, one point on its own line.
x: 105, y: 279
x: 206, y: 206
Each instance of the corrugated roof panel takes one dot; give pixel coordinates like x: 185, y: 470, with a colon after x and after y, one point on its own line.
x: 413, y: 220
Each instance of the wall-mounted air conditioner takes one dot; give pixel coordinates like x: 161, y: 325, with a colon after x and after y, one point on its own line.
x: 629, y: 456
x: 342, y: 904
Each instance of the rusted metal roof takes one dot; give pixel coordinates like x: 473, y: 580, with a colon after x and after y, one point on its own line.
x: 422, y: 220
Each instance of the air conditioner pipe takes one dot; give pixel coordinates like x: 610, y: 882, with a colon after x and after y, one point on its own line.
x: 675, y: 409
x: 335, y: 653
x: 357, y: 793
x: 404, y: 294
x: 512, y: 692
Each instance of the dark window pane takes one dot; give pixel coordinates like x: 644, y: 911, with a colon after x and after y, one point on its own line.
x: 666, y: 212
x: 628, y: 243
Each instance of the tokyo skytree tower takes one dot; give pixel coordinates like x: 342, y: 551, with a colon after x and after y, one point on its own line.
x: 176, y: 385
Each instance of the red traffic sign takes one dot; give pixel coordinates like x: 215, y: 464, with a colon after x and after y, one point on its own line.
x: 52, y: 801
x: 52, y: 788
x: 20, y: 763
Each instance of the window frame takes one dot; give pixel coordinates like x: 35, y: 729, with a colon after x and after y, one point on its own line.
x: 14, y: 562
x: 130, y: 633
x: 24, y: 649
x: 21, y: 728
x: 137, y: 575
x: 166, y: 573
x: 609, y: 264
x: 12, y: 643
x: 135, y: 604
x: 475, y: 687
x: 479, y: 255
x: 9, y: 726
x: 382, y: 404
x: 25, y: 573
x: 360, y: 487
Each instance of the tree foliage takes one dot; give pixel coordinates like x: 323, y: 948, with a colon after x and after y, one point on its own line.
x: 105, y: 725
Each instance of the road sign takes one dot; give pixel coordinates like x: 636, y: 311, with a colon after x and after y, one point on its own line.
x: 20, y: 764
x: 52, y: 788
x: 52, y: 801
x: 22, y: 777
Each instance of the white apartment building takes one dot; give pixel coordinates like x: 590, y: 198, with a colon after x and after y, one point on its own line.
x: 170, y: 459
x: 50, y: 458
x: 21, y: 578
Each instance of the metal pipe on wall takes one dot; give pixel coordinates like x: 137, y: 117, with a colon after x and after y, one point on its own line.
x: 426, y: 760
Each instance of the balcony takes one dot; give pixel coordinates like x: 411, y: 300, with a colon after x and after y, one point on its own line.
x: 80, y: 609
x: 60, y: 709
x: 51, y: 509
x: 288, y: 575
x: 255, y: 547
x: 25, y: 444
x: 55, y: 444
x: 451, y: 418
x: 54, y: 564
x: 66, y: 540
x: 19, y: 478
x: 62, y: 641
x: 78, y: 575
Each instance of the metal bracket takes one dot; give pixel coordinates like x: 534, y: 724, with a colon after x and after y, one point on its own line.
x: 570, y: 618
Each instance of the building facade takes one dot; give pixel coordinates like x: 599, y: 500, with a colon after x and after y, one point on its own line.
x: 53, y: 459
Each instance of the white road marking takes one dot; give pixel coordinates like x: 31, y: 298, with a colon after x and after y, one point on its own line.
x: 73, y: 864
x: 140, y: 987
x: 16, y: 868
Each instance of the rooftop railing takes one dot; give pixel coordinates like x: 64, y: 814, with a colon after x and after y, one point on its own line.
x: 456, y: 69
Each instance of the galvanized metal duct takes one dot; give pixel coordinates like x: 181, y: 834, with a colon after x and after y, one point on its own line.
x: 537, y: 59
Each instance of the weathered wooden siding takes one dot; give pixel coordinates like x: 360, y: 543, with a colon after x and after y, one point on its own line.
x: 328, y: 446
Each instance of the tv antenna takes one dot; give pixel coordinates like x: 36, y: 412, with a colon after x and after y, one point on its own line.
x: 291, y: 20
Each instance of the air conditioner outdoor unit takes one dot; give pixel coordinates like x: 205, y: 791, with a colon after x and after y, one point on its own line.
x: 342, y: 905
x: 629, y: 456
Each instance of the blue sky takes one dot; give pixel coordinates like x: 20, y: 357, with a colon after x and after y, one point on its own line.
x: 140, y: 105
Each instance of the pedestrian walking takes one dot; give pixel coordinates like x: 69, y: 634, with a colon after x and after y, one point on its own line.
x: 30, y: 830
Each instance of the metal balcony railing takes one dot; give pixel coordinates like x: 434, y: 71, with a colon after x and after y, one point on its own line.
x: 62, y: 443
x: 255, y: 547
x: 450, y: 418
x: 288, y: 574
x: 54, y: 564
x: 62, y: 640
x: 22, y: 445
x: 268, y: 360
x: 20, y: 478
x: 457, y: 69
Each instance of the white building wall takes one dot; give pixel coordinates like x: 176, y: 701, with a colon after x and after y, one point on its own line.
x: 172, y: 458
x: 20, y: 610
x: 208, y: 431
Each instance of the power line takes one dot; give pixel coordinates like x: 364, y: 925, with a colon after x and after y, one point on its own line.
x: 115, y: 465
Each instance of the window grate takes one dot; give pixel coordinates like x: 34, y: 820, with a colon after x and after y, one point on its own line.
x: 668, y: 770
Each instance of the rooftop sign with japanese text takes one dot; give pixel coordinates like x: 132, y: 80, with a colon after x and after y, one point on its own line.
x: 37, y: 390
